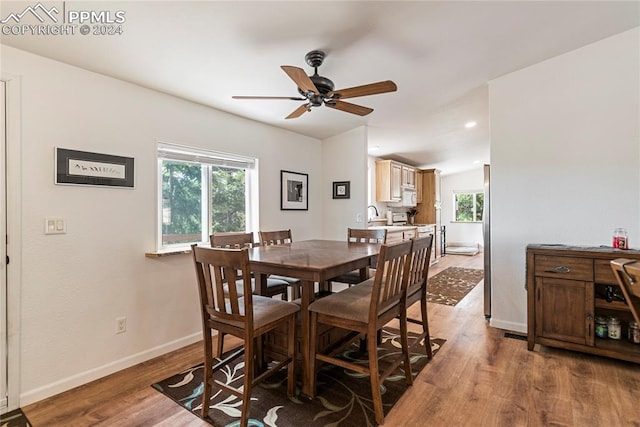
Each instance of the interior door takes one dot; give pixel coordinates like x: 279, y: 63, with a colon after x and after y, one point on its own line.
x: 3, y: 256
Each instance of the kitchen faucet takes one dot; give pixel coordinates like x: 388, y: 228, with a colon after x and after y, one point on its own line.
x: 375, y: 209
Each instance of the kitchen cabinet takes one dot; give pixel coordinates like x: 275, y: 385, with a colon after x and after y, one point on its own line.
x: 388, y: 181
x: 396, y: 234
x: 408, y: 177
x: 566, y: 291
x: 429, y: 203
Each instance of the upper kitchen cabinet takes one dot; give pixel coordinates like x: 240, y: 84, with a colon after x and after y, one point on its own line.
x: 388, y: 181
x: 428, y: 195
x: 408, y: 177
x: 391, y: 179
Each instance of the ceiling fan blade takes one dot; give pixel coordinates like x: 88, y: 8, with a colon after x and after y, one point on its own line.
x: 349, y: 107
x: 292, y: 98
x: 299, y: 111
x: 300, y: 78
x: 364, y: 90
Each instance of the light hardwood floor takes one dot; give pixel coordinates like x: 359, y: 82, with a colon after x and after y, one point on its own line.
x: 478, y: 378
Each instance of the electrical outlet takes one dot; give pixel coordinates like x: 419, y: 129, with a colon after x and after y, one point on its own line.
x: 121, y: 325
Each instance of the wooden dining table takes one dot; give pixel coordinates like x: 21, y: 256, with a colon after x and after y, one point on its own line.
x: 311, y: 261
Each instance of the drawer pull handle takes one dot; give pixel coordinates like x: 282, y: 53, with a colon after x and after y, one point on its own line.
x: 559, y: 269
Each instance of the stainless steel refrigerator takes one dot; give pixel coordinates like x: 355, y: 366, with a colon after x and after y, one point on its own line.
x: 486, y: 232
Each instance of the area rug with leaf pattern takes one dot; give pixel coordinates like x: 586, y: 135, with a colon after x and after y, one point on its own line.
x: 452, y: 284
x: 343, y: 397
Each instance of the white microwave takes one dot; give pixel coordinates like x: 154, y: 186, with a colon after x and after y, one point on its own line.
x: 409, y: 198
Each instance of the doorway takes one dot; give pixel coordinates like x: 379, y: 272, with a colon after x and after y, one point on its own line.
x: 3, y: 270
x: 10, y: 241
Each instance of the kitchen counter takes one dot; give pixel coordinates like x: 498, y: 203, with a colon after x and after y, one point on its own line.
x: 397, y: 233
x: 392, y: 227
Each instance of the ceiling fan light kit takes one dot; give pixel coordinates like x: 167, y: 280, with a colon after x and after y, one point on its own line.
x: 318, y: 90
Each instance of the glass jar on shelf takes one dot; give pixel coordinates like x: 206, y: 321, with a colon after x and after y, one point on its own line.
x: 620, y: 239
x: 634, y: 332
x: 602, y: 331
x: 614, y: 328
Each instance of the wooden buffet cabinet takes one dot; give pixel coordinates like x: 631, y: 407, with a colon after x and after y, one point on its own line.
x: 566, y: 288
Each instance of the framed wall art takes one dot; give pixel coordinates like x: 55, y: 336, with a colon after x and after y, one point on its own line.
x: 294, y: 191
x: 74, y: 167
x: 341, y: 189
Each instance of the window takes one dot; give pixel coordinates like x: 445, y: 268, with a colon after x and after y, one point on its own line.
x: 468, y: 206
x: 201, y: 192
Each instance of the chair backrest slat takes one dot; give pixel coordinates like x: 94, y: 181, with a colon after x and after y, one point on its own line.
x: 279, y: 237
x: 367, y: 235
x: 391, y: 277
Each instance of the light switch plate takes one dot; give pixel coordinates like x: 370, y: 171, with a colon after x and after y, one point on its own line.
x: 55, y: 226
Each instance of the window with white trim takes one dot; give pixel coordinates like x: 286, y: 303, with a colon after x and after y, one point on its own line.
x: 468, y: 206
x: 201, y: 192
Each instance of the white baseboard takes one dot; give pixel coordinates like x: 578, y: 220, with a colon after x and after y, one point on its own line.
x: 31, y: 396
x: 509, y: 326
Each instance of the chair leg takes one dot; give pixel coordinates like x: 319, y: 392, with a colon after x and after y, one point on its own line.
x: 291, y: 351
x: 374, y: 375
x: 208, y: 367
x: 313, y: 347
x: 249, y: 364
x: 425, y: 326
x: 404, y: 340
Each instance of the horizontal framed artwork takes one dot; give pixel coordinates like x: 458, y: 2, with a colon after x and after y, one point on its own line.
x: 294, y: 191
x: 74, y: 167
x: 341, y: 189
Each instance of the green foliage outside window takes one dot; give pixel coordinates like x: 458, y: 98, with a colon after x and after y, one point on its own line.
x: 182, y: 201
x: 228, y: 189
x: 469, y: 207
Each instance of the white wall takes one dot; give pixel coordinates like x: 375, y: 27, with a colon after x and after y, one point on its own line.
x: 75, y: 285
x: 460, y: 232
x: 565, y: 160
x: 346, y: 160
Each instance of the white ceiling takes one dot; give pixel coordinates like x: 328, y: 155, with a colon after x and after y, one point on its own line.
x: 440, y: 54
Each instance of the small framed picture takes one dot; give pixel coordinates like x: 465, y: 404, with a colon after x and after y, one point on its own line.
x: 341, y: 189
x: 294, y: 191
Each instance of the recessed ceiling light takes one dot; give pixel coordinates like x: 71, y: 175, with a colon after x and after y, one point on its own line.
x: 475, y: 162
x: 374, y: 148
x: 469, y: 125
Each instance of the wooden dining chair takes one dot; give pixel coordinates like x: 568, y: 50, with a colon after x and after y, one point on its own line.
x: 245, y: 240
x: 278, y: 237
x: 243, y: 315
x: 239, y: 241
x: 365, y: 309
x: 417, y: 288
x: 357, y: 235
x: 281, y: 237
x: 627, y: 272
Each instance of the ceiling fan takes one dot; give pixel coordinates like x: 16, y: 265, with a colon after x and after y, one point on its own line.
x: 318, y: 90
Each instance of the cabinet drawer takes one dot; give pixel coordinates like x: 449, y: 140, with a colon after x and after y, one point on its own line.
x: 603, y: 273
x: 564, y: 267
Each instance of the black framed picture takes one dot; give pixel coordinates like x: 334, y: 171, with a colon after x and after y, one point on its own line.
x: 74, y: 167
x: 294, y: 191
x: 341, y: 189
